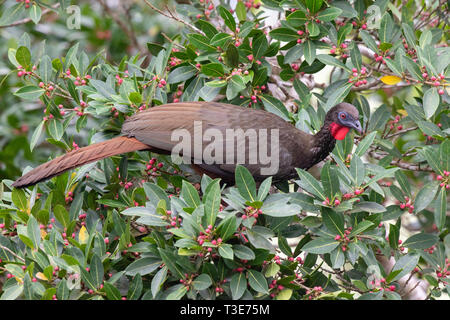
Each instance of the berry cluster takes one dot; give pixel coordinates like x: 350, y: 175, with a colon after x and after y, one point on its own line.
x: 393, y: 123
x: 344, y: 239
x: 445, y: 180
x: 178, y: 94
x: 382, y: 285
x: 358, y: 78
x: 437, y: 81
x: 275, y: 288
x: 314, y: 292
x: 444, y: 272
x: 152, y: 167
x: 342, y: 50
x: 407, y: 205
x: 208, y: 236
x: 27, y: 3
x: 251, y: 212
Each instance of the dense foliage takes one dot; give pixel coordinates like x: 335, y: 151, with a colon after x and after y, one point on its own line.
x: 370, y: 223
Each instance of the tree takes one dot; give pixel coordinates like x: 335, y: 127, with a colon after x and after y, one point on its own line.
x: 369, y: 223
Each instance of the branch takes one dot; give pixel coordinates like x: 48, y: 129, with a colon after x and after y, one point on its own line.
x: 403, y: 165
x: 171, y: 15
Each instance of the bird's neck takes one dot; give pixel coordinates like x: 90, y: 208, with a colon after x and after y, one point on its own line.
x: 324, y: 142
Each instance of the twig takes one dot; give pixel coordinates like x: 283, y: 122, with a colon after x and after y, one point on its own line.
x: 12, y: 252
x: 171, y: 15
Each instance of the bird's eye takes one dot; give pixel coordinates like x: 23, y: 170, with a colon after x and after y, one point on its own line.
x: 343, y: 116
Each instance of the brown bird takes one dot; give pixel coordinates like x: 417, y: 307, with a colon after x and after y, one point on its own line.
x: 165, y: 128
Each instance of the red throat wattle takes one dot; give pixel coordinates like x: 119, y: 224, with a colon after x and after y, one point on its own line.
x: 338, y: 131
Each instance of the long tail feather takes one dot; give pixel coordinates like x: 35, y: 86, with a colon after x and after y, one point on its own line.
x: 78, y: 158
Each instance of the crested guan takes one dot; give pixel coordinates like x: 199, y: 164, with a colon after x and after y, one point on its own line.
x: 289, y: 147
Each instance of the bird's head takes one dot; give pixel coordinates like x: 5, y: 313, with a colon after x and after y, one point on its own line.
x: 341, y: 118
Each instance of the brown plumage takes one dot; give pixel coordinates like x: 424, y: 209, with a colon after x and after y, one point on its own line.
x: 152, y: 130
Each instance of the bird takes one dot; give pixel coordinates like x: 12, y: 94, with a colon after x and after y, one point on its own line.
x: 153, y: 130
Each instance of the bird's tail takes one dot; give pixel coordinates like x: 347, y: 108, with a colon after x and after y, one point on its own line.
x: 78, y: 158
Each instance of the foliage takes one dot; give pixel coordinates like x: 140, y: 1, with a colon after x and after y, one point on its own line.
x: 137, y: 226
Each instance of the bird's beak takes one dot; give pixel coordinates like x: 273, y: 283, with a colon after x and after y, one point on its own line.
x: 357, y: 126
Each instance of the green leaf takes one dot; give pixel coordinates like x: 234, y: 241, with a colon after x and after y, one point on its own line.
x: 227, y: 227
x: 330, y: 180
x: 241, y: 11
x: 334, y: 221
x: 275, y: 106
x: 321, y: 245
x: 242, y: 252
x: 357, y: 170
x: 329, y: 14
x: 181, y: 74
x: 338, y: 96
x: 259, y: 46
x: 221, y: 39
x: 430, y: 102
x: 425, y: 196
x: 284, y: 34
x: 213, y: 69
x: 356, y: 57
x: 314, y: 5
x: 12, y: 14
x: 23, y: 57
x: 379, y: 118
x: 112, y: 292
x: 226, y: 251
x: 202, y: 282
x: 368, y: 40
x: 257, y: 281
x: 332, y: 61
x: 309, y: 51
x: 296, y: 19
x: 245, y: 183
x: 212, y: 200
x: 34, y: 232
x: 19, y: 199
x: 360, y: 228
x: 293, y: 54
x: 394, y: 235
x: 228, y: 18
x: 178, y: 293
x: 313, y: 29
x: 343, y: 32
x: 386, y: 28
x: 406, y: 263
x: 420, y: 241
x: 36, y: 135
x: 55, y: 129
x: 238, y: 285
x: 310, y: 184
x: 440, y: 211
x: 35, y: 13
x: 264, y: 189
x: 29, y: 92
x: 143, y: 266
x: 201, y: 42
x: 96, y: 270
x: 365, y: 144
x: 158, y: 280
x: 61, y: 215
x: 190, y: 195
x: 235, y: 85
